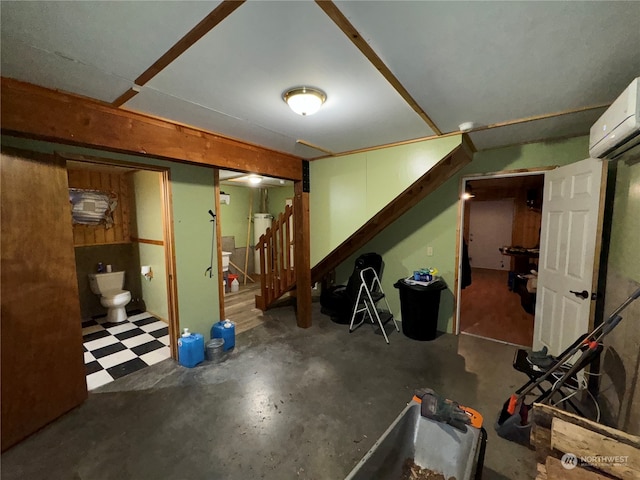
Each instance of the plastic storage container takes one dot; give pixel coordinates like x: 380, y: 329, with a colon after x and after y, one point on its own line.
x: 233, y: 280
x: 190, y: 349
x: 419, y: 306
x: 436, y: 446
x: 226, y: 330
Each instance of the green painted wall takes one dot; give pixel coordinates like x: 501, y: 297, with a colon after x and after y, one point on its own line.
x: 277, y: 197
x: 154, y: 291
x: 624, y: 255
x: 234, y: 216
x: 147, y: 195
x: 347, y: 191
x: 433, y: 222
x: 620, y: 394
x: 193, y: 196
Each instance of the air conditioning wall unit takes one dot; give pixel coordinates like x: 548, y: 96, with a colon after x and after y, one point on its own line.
x: 616, y: 134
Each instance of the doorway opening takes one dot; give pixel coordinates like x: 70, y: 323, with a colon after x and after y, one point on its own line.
x: 248, y: 205
x: 134, y: 249
x: 500, y: 221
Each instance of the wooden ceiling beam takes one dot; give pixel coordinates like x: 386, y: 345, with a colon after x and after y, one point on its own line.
x: 222, y: 11
x: 361, y: 44
x: 40, y: 113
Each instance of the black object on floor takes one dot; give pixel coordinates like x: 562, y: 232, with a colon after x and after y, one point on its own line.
x: 338, y: 301
x: 419, y: 305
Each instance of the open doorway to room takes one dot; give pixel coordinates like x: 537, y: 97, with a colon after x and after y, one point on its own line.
x: 124, y: 261
x: 500, y: 229
x: 248, y: 205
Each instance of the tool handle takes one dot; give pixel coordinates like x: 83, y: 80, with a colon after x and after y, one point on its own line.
x: 610, y: 325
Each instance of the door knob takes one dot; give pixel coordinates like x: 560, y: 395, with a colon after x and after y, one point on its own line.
x: 583, y: 294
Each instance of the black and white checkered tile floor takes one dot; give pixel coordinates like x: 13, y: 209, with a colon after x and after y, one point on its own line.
x: 113, y: 350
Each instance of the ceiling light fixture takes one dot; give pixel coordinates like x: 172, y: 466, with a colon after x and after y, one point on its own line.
x: 467, y: 126
x: 304, y: 100
x: 468, y: 192
x: 254, y: 179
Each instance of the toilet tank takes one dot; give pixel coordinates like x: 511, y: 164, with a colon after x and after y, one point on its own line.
x: 105, y: 282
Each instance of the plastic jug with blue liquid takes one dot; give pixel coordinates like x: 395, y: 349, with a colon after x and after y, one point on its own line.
x: 190, y: 349
x: 226, y: 330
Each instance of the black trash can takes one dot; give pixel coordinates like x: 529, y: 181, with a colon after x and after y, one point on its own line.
x: 419, y: 305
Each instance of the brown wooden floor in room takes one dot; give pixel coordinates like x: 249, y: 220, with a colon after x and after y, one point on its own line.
x: 489, y: 309
x: 240, y: 307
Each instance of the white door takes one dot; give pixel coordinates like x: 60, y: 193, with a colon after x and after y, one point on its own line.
x: 490, y: 227
x: 569, y: 252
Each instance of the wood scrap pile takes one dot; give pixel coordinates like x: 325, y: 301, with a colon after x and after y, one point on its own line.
x: 570, y: 447
x: 413, y: 471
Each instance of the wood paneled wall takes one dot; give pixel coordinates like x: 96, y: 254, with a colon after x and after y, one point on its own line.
x: 105, y: 181
x: 526, y: 223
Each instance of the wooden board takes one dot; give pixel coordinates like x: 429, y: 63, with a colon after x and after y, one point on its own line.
x: 620, y: 459
x: 302, y: 255
x: 43, y: 373
x: 555, y: 471
x: 543, y: 416
x: 37, y: 112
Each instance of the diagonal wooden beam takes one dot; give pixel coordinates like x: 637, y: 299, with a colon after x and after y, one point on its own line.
x: 222, y: 11
x: 361, y: 44
x: 428, y: 183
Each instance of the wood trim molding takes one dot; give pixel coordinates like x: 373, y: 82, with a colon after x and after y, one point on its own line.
x: 534, y: 118
x: 125, y: 97
x: 170, y: 262
x: 334, y: 13
x: 222, y: 11
x: 148, y: 241
x: 315, y: 147
x: 428, y: 183
x: 220, y: 273
x: 40, y: 113
x: 393, y: 144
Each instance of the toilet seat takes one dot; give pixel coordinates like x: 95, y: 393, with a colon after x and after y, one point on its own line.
x: 116, y: 294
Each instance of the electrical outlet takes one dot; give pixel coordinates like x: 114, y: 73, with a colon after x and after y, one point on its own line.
x: 429, y: 251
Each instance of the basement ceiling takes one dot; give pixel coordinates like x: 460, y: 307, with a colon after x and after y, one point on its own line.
x: 403, y: 71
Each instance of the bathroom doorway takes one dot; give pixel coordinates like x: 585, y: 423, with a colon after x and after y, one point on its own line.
x: 135, y: 242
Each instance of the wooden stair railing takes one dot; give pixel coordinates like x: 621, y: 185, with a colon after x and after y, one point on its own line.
x: 277, y: 275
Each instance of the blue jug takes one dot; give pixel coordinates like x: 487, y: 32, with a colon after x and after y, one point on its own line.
x: 226, y: 330
x: 190, y: 349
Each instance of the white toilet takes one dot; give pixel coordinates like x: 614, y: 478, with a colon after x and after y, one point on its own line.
x: 112, y: 296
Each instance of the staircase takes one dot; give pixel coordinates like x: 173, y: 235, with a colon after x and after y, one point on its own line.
x: 277, y: 276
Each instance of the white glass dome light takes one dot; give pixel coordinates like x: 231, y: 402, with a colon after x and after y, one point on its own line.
x: 254, y: 179
x: 304, y: 100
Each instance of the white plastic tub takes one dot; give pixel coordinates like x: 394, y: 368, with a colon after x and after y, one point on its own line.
x: 225, y: 261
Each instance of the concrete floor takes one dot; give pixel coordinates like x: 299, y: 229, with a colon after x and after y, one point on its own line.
x: 287, y: 404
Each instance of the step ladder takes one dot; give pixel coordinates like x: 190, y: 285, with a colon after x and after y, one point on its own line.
x: 369, y: 294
